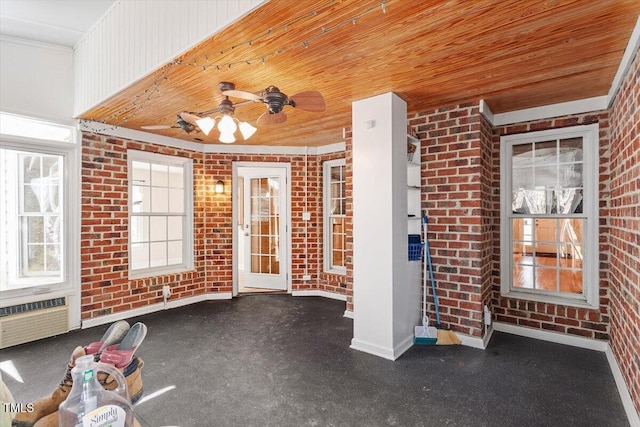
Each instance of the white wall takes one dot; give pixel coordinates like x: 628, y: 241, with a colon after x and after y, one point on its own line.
x: 36, y: 80
x: 136, y: 37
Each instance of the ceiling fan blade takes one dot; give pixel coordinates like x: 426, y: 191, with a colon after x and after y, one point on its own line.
x: 189, y: 118
x: 156, y: 127
x: 271, y: 119
x: 310, y: 100
x: 242, y: 94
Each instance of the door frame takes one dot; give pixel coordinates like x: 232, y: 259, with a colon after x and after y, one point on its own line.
x: 285, y: 215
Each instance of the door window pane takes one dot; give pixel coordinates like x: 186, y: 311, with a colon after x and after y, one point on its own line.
x: 265, y: 230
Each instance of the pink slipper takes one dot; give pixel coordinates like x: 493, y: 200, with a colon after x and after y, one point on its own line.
x: 113, y: 335
x: 120, y: 355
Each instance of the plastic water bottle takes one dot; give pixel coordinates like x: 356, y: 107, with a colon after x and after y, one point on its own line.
x: 89, y: 404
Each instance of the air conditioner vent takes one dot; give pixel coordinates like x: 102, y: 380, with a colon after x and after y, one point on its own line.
x: 33, y: 321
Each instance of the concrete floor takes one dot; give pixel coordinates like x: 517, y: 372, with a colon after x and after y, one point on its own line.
x: 277, y: 360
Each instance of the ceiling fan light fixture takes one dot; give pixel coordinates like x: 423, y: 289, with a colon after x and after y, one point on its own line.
x: 206, y: 124
x: 227, y: 125
x: 227, y: 137
x: 247, y: 130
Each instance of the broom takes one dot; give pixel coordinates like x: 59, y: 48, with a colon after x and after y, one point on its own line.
x: 444, y: 337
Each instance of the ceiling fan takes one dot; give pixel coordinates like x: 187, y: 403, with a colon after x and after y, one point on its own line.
x: 274, y: 99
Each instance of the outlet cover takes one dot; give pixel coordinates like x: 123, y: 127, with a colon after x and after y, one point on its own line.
x: 306, y: 277
x: 306, y: 216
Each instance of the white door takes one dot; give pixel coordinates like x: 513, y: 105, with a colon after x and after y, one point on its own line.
x: 264, y: 227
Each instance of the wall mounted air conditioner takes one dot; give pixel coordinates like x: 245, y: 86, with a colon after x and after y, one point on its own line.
x: 33, y: 321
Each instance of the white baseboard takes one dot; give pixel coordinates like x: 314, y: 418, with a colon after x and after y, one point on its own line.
x: 348, y: 314
x: 476, y: 342
x: 384, y: 352
x: 319, y: 293
x: 152, y: 308
x: 587, y: 343
x: 556, y: 337
x: 625, y: 396
x: 403, y: 346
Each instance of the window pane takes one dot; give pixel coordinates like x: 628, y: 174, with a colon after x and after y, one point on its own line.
x: 174, y: 252
x: 139, y: 256
x: 176, y: 177
x: 140, y: 199
x: 35, y: 229
x: 174, y: 227
x: 53, y: 258
x: 158, y: 228
x: 158, y: 254
x: 176, y: 200
x: 545, y: 176
x: 139, y: 229
x: 52, y: 229
x: 159, y: 175
x: 35, y: 259
x: 571, y: 150
x: 159, y: 199
x: 141, y: 173
x: 545, y: 153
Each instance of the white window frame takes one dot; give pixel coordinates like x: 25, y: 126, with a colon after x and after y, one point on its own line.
x: 66, y: 146
x: 187, y: 224
x: 328, y: 234
x: 590, y: 285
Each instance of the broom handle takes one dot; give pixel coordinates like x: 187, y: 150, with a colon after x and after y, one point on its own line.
x: 433, y: 282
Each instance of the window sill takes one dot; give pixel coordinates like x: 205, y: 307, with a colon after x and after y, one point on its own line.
x: 162, y: 271
x: 340, y: 272
x: 577, y: 301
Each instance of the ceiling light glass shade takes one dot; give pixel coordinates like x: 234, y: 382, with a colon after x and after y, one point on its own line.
x: 227, y: 137
x: 247, y: 130
x: 227, y: 125
x: 206, y: 124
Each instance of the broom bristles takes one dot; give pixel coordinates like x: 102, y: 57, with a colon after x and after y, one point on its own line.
x: 447, y: 338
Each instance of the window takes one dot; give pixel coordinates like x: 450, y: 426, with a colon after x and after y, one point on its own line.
x: 36, y: 160
x: 334, y: 216
x: 549, y: 221
x: 160, y: 214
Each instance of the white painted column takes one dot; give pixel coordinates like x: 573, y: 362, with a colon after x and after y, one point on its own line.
x: 386, y: 297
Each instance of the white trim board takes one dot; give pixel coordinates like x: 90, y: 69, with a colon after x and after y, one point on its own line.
x: 136, y: 135
x: 556, y: 337
x: 625, y: 63
x: 319, y: 293
x: 580, y: 106
x: 476, y: 342
x: 348, y: 314
x: 152, y: 308
x: 587, y: 343
x: 625, y: 396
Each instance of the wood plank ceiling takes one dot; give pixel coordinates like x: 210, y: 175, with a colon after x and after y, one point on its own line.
x: 515, y: 54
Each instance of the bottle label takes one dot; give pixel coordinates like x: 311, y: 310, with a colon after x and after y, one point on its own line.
x: 105, y: 416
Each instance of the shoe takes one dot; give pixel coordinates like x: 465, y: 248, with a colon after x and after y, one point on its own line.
x: 120, y: 355
x: 47, y: 405
x: 113, y: 335
x: 133, y: 376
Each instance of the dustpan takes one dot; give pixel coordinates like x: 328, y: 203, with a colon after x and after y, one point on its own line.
x: 425, y: 334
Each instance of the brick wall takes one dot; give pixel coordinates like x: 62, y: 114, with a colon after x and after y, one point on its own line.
x: 624, y: 227
x: 554, y: 317
x: 104, y: 232
x: 106, y: 287
x: 455, y: 175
